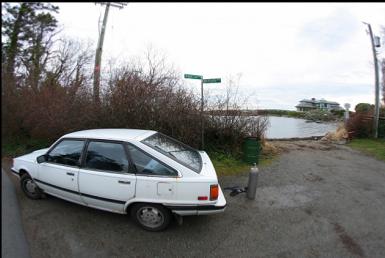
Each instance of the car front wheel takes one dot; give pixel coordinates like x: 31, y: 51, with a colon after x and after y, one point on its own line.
x: 30, y: 188
x: 151, y: 217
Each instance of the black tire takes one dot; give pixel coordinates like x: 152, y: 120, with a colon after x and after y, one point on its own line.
x: 150, y: 216
x: 29, y: 187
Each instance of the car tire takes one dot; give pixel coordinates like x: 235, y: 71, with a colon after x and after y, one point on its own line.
x: 29, y: 187
x: 150, y: 216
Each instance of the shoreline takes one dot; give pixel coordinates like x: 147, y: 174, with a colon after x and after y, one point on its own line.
x: 315, y: 138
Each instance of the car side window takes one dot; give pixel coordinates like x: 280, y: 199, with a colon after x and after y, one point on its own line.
x: 67, y: 152
x: 106, y: 156
x: 147, y: 165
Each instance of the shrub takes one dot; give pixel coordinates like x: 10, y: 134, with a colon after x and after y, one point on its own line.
x: 338, y: 113
x: 147, y: 95
x: 318, y: 114
x: 361, y: 124
x: 364, y: 108
x: 381, y: 128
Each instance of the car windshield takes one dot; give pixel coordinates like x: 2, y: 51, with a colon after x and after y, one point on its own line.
x: 176, y: 150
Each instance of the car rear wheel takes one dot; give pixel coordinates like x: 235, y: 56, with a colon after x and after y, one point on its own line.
x: 151, y: 217
x: 30, y: 188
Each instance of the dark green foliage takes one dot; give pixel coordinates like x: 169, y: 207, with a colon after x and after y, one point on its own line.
x: 24, y: 27
x: 364, y: 108
x: 381, y: 128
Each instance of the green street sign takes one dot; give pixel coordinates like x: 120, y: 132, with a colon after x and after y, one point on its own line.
x: 215, y: 80
x: 192, y: 76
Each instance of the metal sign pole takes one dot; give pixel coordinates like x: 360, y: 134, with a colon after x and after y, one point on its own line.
x: 200, y: 77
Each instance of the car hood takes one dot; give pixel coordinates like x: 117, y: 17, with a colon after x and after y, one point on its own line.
x: 207, y: 166
x: 33, y: 155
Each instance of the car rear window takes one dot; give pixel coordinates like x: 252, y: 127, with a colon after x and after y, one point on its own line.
x: 176, y: 150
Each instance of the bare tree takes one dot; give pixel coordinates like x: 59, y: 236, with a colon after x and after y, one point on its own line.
x: 70, y: 64
x: 228, y: 124
x: 149, y: 94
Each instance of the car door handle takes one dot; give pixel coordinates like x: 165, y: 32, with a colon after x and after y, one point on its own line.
x: 70, y: 174
x: 124, y: 182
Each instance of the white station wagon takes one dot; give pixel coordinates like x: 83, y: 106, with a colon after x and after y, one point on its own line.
x: 141, y: 172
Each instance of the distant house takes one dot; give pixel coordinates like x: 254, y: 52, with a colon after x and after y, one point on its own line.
x: 309, y: 104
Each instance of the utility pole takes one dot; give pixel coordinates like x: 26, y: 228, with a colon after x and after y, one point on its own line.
x: 377, y: 84
x: 202, y: 120
x: 99, y: 48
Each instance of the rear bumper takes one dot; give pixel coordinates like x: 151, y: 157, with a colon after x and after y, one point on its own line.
x: 185, y: 210
x: 197, y: 210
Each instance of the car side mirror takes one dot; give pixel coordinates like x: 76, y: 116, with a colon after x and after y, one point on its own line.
x: 41, y: 159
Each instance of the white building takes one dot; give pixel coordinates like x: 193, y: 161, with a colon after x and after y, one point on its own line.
x: 309, y: 104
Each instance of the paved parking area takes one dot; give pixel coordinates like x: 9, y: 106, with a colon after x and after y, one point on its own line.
x: 325, y: 201
x: 13, y: 240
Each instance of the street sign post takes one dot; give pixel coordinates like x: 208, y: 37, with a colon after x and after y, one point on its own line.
x: 215, y: 80
x: 347, y: 106
x: 193, y: 76
x: 200, y: 77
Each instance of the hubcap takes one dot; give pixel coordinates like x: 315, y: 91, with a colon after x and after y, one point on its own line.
x: 150, y: 217
x: 30, y: 186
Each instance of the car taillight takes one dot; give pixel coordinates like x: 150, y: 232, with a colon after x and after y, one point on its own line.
x: 214, y: 192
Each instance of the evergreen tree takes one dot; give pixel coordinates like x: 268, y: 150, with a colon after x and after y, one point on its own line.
x: 25, y: 26
x: 26, y: 30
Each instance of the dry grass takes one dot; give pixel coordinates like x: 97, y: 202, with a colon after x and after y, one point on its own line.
x: 340, y: 134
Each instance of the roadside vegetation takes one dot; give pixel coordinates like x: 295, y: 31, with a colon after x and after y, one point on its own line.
x: 360, y: 124
x: 374, y: 147
x: 226, y: 165
x: 360, y: 128
x: 16, y: 147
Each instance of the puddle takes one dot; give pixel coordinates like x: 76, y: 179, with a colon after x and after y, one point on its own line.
x: 284, y: 196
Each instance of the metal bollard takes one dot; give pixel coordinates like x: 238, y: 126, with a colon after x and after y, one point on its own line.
x: 252, y: 185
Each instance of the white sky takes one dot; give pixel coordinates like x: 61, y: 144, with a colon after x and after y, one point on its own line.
x: 284, y: 51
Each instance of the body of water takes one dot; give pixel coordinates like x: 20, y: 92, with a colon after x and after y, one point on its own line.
x: 287, y: 127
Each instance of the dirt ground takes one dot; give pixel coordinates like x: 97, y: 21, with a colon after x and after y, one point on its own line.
x: 315, y: 200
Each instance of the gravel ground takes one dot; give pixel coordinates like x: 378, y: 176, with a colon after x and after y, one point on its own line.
x: 315, y: 200
x: 13, y: 240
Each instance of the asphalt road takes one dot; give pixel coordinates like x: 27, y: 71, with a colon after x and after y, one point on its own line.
x: 314, y: 201
x: 13, y: 240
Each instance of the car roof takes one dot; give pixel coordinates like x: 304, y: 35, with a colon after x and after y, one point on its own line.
x: 112, y: 134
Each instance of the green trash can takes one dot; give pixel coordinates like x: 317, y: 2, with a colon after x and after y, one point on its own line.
x: 251, y: 150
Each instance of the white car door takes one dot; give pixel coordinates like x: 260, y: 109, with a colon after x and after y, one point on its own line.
x: 156, y: 181
x: 105, y: 181
x: 59, y: 174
